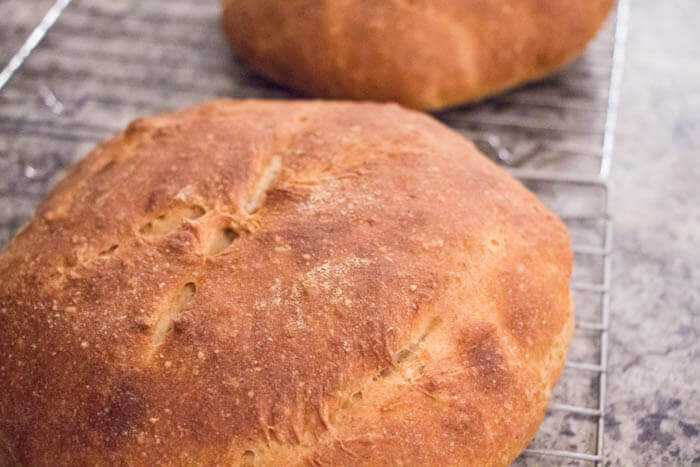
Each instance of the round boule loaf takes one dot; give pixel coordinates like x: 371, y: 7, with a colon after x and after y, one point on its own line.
x: 280, y: 283
x: 426, y: 54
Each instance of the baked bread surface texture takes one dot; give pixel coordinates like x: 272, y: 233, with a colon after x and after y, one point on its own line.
x: 270, y: 283
x: 426, y: 54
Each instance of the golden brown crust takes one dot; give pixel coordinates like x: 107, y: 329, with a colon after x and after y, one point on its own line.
x: 426, y: 54
x: 282, y: 283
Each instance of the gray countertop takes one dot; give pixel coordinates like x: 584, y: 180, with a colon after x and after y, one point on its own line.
x: 654, y: 377
x: 108, y: 62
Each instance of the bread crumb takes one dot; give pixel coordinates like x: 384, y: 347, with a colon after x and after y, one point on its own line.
x: 251, y: 394
x: 200, y: 355
x: 84, y: 344
x: 413, y: 287
x: 168, y: 364
x: 70, y: 309
x: 306, y: 256
x: 153, y: 419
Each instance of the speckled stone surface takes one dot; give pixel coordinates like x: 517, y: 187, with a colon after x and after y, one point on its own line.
x: 109, y: 62
x: 653, y: 415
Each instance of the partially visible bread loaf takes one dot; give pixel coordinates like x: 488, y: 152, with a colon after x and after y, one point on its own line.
x: 282, y: 283
x: 426, y: 54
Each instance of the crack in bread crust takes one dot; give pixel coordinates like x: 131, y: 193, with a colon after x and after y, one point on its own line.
x: 167, y: 319
x: 398, y: 372
x: 264, y: 184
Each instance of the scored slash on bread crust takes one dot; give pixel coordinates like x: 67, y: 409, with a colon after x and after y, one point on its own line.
x: 426, y: 54
x: 260, y: 282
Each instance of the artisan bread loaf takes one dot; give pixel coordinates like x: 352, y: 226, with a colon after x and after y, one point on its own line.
x: 276, y: 283
x: 426, y: 54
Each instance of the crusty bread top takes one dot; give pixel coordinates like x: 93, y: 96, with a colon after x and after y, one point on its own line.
x: 268, y: 282
x: 426, y: 54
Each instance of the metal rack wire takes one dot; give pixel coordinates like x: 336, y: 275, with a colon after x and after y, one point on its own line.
x: 556, y: 136
x: 604, y: 251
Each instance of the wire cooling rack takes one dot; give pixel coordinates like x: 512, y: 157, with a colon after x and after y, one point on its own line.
x: 80, y: 70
